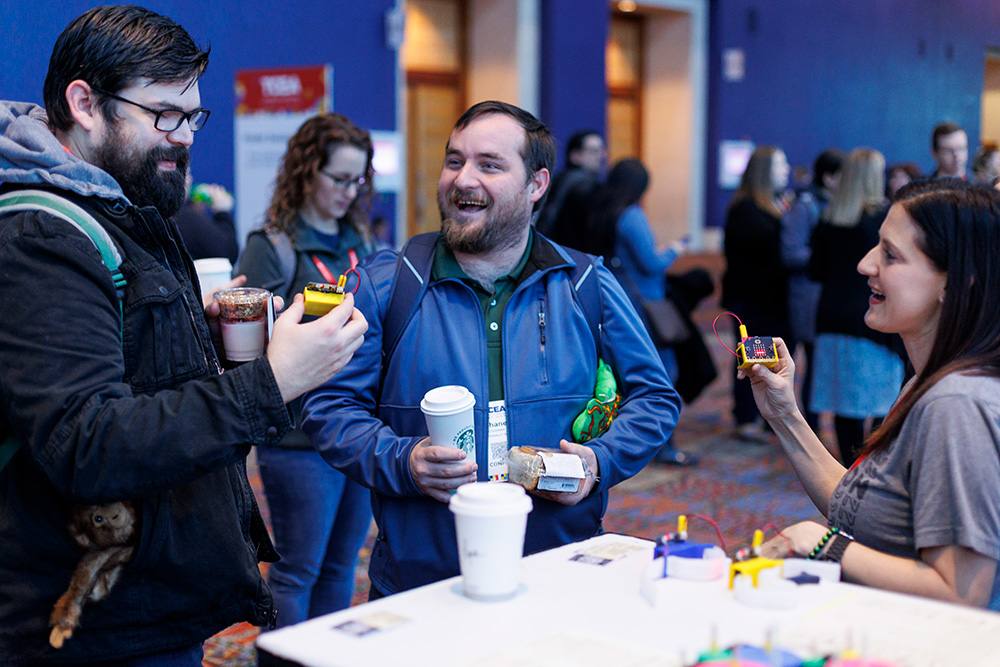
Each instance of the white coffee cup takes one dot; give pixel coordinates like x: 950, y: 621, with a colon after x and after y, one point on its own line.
x: 490, y: 520
x: 450, y: 423
x: 213, y: 273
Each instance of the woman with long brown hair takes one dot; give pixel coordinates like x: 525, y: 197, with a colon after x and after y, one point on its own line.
x: 919, y: 512
x: 316, y: 228
x: 755, y: 285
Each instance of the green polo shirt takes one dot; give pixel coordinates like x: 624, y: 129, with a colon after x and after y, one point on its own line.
x: 492, y: 303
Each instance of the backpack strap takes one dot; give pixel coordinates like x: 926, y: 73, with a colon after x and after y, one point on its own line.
x: 587, y: 288
x: 413, y: 272
x: 282, y: 245
x: 62, y: 208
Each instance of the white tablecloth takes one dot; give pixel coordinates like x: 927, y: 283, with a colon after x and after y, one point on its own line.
x: 578, y: 614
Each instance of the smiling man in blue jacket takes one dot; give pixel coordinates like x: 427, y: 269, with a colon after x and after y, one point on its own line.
x: 499, y: 310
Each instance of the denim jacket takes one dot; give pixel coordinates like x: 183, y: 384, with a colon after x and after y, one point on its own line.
x: 367, y: 419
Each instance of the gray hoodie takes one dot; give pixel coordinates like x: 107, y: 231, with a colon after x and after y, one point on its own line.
x: 31, y: 155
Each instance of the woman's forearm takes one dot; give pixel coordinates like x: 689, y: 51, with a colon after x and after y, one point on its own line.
x: 867, y: 566
x: 818, y: 471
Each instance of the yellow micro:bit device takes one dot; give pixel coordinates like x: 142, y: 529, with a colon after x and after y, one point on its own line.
x: 755, y: 350
x: 321, y: 298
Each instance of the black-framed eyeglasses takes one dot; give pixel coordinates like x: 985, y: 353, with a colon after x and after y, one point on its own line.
x: 167, y: 120
x: 345, y: 183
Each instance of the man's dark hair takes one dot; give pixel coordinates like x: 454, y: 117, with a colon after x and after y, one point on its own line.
x: 943, y: 130
x: 827, y: 163
x: 539, y: 150
x: 111, y: 47
x: 576, y: 140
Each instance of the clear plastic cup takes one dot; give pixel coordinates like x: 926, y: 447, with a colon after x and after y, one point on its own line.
x: 243, y: 318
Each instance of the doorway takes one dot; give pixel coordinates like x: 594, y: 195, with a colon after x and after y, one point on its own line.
x: 433, y: 60
x: 990, y: 126
x: 657, y: 106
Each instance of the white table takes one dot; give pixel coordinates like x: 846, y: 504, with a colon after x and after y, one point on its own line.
x: 580, y: 614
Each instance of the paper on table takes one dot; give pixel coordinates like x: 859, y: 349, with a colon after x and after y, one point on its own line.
x: 614, y: 550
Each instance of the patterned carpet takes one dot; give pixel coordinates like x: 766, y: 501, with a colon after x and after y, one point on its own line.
x: 742, y: 486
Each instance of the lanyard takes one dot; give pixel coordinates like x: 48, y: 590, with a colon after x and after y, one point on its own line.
x: 325, y: 272
x: 328, y: 275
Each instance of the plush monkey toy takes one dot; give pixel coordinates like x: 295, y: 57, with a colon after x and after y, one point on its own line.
x: 108, y: 533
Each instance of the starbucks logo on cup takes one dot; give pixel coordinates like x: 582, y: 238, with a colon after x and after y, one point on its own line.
x: 466, y: 440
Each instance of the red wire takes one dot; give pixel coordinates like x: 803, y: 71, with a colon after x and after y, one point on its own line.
x: 718, y: 532
x: 716, y: 331
x: 357, y: 284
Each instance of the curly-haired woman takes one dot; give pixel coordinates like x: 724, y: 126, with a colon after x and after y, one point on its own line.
x: 316, y: 227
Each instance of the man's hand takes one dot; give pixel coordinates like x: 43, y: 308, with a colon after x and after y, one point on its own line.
x: 438, y: 470
x: 304, y: 356
x: 590, y: 468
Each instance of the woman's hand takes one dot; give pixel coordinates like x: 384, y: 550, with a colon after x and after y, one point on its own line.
x: 774, y: 390
x: 795, y: 541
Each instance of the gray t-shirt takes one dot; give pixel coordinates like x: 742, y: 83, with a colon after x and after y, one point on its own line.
x: 938, y: 483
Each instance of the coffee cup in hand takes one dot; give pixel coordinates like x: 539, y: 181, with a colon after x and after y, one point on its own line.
x: 213, y: 273
x: 449, y: 415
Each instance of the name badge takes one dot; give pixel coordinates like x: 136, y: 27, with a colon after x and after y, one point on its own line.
x: 497, y: 441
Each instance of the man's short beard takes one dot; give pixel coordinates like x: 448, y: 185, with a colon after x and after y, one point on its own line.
x: 503, y: 228
x: 142, y: 181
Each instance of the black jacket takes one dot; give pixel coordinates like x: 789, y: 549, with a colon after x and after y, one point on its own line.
x: 843, y: 301
x: 147, y: 417
x: 755, y: 284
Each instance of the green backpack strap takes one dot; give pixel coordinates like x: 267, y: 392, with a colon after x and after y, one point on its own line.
x: 62, y: 208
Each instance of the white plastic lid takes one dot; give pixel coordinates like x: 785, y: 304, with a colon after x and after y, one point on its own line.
x: 447, y: 400
x: 213, y: 265
x: 490, y: 499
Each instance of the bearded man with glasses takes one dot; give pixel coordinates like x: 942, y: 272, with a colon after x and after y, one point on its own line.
x: 110, y: 385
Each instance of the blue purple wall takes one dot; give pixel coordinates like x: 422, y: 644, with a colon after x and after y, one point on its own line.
x: 819, y: 74
x: 243, y: 35
x: 571, y: 71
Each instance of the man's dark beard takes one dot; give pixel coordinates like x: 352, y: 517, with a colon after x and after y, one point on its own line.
x: 140, y: 179
x: 503, y: 228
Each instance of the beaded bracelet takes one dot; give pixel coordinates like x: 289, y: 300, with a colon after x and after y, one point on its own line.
x: 822, y: 542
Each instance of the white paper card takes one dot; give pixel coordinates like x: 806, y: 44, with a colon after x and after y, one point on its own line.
x: 497, y: 441
x: 563, y: 465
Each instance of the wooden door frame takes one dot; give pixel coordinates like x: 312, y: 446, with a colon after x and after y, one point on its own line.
x: 458, y: 79
x: 413, y: 78
x: 629, y: 92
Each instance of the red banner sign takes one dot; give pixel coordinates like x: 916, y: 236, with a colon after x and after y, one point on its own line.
x: 285, y: 89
